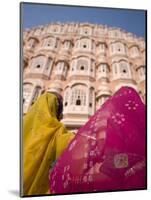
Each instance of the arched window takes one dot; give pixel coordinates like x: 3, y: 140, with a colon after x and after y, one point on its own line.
x: 85, y: 44
x: 82, y: 64
x: 134, y: 51
x: 27, y: 94
x: 125, y: 69
x: 32, y: 43
x: 49, y: 63
x: 102, y: 70
x: 49, y: 42
x: 78, y: 95
x: 67, y: 45
x: 38, y: 62
x: 118, y: 47
x: 101, y: 47
x: 86, y: 30
x: 122, y: 70
x: 141, y: 73
x: 37, y: 92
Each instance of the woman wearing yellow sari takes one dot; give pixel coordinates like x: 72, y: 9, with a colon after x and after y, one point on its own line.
x: 44, y: 140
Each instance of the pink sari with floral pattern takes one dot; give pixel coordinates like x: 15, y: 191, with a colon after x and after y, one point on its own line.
x: 108, y: 152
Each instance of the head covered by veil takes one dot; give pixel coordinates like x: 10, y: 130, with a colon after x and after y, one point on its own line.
x: 108, y: 152
x: 44, y: 140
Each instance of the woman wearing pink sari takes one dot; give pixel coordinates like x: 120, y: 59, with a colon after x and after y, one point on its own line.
x: 108, y: 152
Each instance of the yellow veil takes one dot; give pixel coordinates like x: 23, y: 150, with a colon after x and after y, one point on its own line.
x: 44, y: 139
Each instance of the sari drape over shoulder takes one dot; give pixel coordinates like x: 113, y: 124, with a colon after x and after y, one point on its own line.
x: 108, y: 152
x: 44, y: 140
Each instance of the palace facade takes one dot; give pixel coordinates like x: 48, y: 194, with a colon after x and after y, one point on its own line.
x: 86, y: 63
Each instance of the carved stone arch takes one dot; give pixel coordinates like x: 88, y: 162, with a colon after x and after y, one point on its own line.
x: 85, y: 37
x: 119, y: 58
x: 66, y: 87
x: 48, y: 36
x: 101, y: 42
x: 79, y: 83
x: 87, y: 55
x: 67, y: 39
x: 50, y: 41
x: 30, y: 82
x: 39, y: 54
x: 114, y: 61
x: 64, y: 61
x: 32, y: 42
x: 105, y: 63
x: 120, y: 42
x: 33, y: 37
x: 83, y: 56
x: 79, y: 94
x: 123, y: 60
x: 34, y: 82
x: 134, y: 45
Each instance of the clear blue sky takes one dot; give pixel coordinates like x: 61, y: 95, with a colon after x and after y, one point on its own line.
x: 41, y: 14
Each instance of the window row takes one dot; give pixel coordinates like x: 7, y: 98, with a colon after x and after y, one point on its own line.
x: 84, y: 30
x: 85, y: 67
x: 81, y: 30
x: 82, y: 66
x: 52, y: 43
x: 77, y: 98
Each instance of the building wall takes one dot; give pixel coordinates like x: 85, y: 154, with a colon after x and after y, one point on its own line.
x: 86, y: 63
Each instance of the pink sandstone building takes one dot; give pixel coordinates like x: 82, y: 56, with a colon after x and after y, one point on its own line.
x: 86, y: 63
